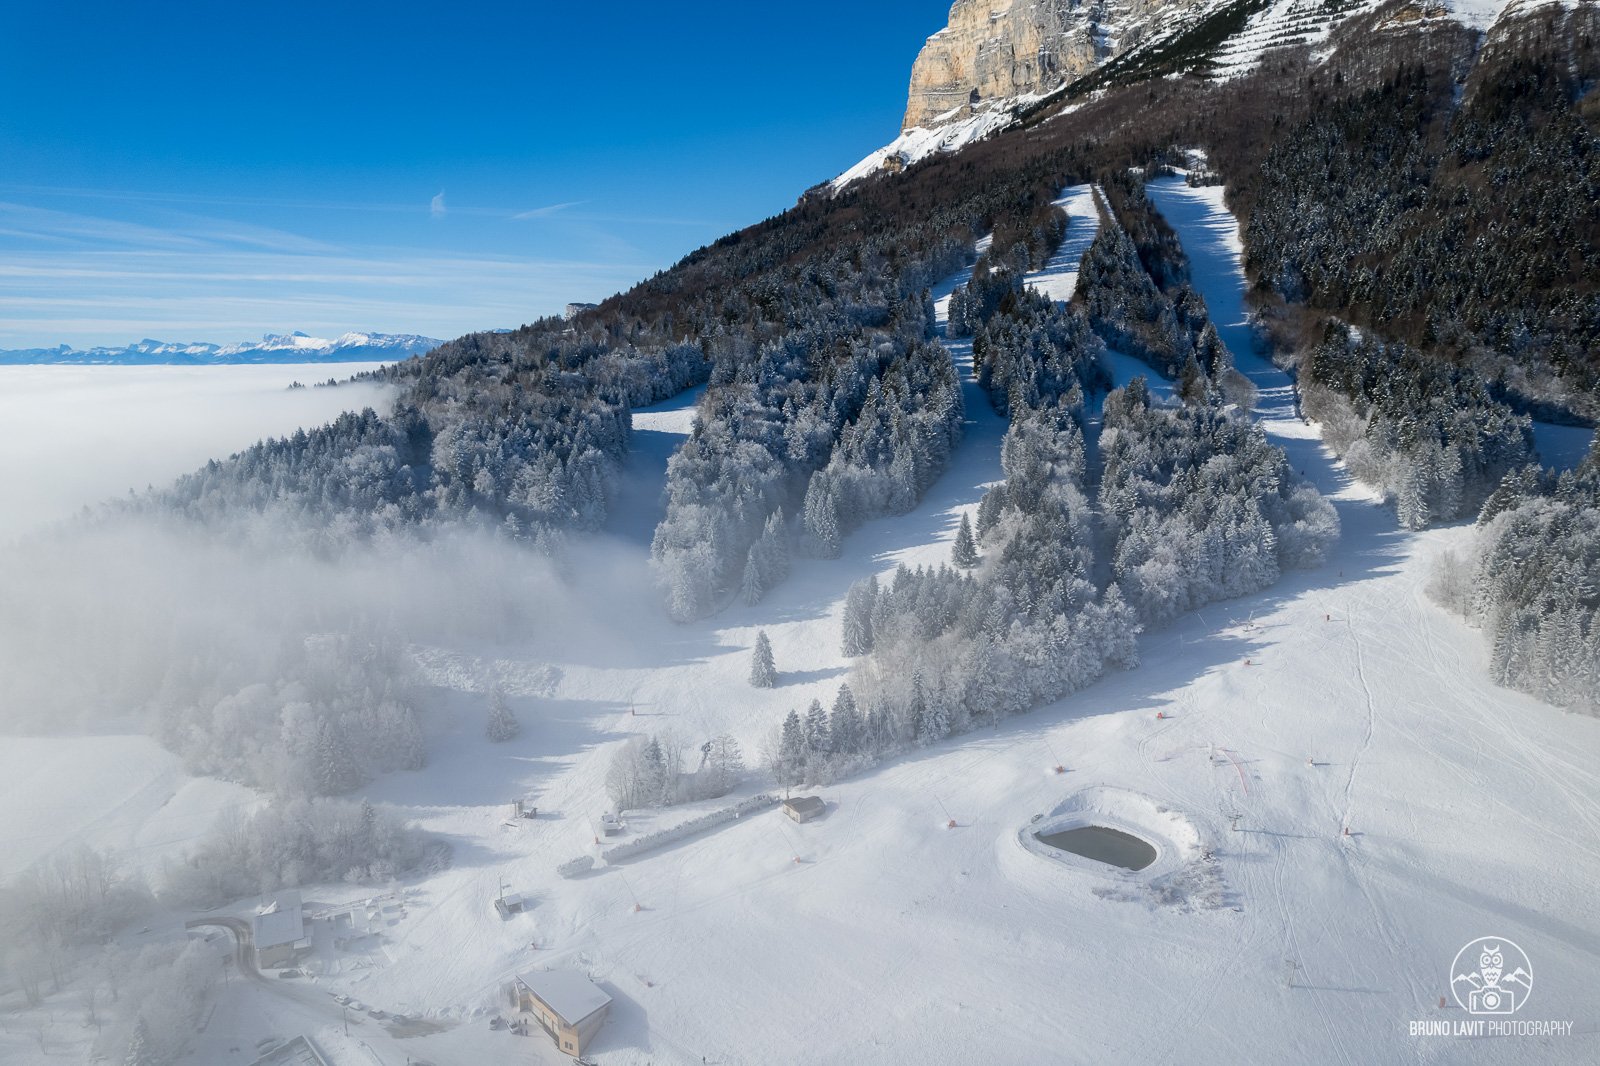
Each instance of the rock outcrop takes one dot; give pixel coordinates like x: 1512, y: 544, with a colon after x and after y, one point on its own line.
x: 995, y: 50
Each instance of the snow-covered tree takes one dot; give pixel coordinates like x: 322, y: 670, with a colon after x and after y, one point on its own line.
x: 502, y: 724
x: 818, y: 741
x: 723, y: 765
x: 965, y: 552
x: 857, y: 623
x: 140, y: 1053
x: 790, y: 765
x: 763, y: 672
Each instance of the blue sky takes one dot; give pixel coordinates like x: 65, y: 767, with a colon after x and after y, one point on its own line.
x: 194, y: 171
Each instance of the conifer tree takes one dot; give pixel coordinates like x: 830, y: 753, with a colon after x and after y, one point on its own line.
x: 965, y: 553
x: 139, y: 1051
x: 816, y: 729
x: 857, y: 624
x: 503, y: 725
x: 790, y: 768
x: 763, y: 672
x: 336, y: 771
x: 751, y: 588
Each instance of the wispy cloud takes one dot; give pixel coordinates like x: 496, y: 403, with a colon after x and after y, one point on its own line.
x: 101, y: 296
x: 547, y: 211
x: 436, y: 207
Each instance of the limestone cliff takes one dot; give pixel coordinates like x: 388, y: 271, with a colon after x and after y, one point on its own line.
x: 993, y: 50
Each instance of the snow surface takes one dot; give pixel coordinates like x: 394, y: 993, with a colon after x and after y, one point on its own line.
x: 124, y: 793
x: 919, y: 142
x: 1341, y: 698
x: 74, y: 436
x: 1059, y: 277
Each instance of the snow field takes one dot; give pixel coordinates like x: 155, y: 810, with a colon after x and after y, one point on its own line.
x: 1340, y: 698
x: 123, y: 793
x: 897, y: 939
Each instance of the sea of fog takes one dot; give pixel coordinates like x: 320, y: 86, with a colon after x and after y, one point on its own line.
x: 72, y: 436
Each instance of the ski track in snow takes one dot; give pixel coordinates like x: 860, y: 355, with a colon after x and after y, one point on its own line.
x: 895, y: 939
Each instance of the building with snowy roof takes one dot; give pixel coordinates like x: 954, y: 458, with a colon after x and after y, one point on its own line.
x: 569, y: 1006
x: 278, y: 930
x: 804, y: 808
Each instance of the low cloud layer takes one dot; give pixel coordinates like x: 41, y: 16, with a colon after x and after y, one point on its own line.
x: 72, y: 437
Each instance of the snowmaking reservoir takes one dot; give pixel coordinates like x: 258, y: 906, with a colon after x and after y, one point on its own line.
x: 1103, y: 844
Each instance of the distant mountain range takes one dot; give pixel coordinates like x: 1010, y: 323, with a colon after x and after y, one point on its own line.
x: 273, y: 348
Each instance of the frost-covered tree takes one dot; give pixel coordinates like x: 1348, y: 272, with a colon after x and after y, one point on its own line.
x: 140, y: 1053
x: 965, y: 552
x: 846, y: 729
x: 763, y: 672
x: 857, y: 623
x: 502, y: 724
x: 790, y: 765
x: 844, y: 700
x: 724, y: 764
x: 818, y: 740
x: 336, y: 770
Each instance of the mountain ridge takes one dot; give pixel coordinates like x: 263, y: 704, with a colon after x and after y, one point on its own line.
x: 991, y: 65
x: 350, y: 347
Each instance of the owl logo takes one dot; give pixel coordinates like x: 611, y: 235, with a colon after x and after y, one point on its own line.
x: 1491, y: 975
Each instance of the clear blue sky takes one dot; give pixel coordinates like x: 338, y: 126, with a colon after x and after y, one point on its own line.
x: 210, y: 171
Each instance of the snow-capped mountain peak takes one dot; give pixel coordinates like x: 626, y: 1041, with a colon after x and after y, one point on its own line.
x: 294, y: 347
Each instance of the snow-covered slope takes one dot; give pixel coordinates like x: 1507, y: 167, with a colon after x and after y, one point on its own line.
x: 294, y: 347
x: 919, y: 142
x: 1282, y: 24
x: 1339, y: 699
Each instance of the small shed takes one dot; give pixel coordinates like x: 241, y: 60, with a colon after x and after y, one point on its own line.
x: 569, y: 1006
x: 804, y: 808
x: 278, y: 930
x: 511, y: 903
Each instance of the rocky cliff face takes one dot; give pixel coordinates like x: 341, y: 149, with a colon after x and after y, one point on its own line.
x: 993, y: 50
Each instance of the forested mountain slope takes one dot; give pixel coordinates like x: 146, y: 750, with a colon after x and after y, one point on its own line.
x: 1449, y: 180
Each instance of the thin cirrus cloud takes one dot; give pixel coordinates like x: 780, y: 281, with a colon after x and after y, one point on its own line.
x: 170, y: 269
x: 547, y: 210
x: 84, y: 297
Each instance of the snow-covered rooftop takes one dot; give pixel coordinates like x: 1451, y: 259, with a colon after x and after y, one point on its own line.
x: 280, y: 922
x: 567, y: 992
